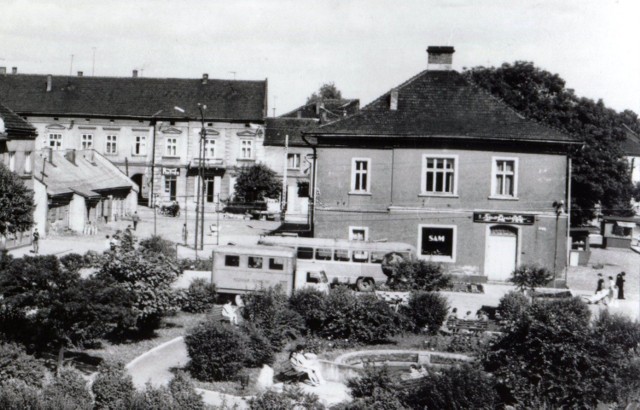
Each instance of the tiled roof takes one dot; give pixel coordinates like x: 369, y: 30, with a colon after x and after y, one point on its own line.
x: 442, y: 104
x: 14, y: 124
x: 134, y: 97
x: 278, y: 128
x: 90, y: 173
x: 631, y: 145
x: 332, y: 108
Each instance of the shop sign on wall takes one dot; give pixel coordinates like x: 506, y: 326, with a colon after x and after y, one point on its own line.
x: 489, y: 217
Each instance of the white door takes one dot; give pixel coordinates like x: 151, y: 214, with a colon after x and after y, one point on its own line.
x: 501, y: 253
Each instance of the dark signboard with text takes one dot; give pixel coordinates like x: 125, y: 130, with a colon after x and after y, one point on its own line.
x: 437, y: 241
x: 493, y: 217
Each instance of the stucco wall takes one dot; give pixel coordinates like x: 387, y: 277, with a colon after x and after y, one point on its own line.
x: 77, y: 213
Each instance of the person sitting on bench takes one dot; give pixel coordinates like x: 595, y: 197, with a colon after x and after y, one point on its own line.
x: 230, y: 312
x: 304, y: 363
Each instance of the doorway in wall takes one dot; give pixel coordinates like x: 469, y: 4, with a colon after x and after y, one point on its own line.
x: 501, y: 252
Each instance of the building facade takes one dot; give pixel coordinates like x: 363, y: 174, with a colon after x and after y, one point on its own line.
x: 150, y: 128
x: 443, y: 165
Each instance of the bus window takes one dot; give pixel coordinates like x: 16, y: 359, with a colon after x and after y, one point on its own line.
x: 360, y: 256
x: 341, y: 255
x: 276, y: 263
x: 305, y: 253
x: 323, y: 254
x: 377, y: 257
x: 232, y: 260
x: 255, y: 262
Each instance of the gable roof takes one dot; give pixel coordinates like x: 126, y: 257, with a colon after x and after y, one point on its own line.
x: 442, y: 104
x: 14, y: 124
x: 631, y: 145
x: 134, y: 97
x: 333, y: 108
x: 277, y: 129
x: 86, y: 176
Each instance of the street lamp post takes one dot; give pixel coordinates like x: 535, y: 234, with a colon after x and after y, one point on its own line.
x: 152, y: 199
x: 203, y: 134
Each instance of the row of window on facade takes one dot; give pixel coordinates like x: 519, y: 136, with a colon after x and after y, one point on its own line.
x: 439, y: 176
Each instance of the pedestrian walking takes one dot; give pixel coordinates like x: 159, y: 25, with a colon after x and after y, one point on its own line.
x: 184, y: 234
x: 600, y: 283
x: 135, y: 218
x: 620, y: 284
x: 36, y: 241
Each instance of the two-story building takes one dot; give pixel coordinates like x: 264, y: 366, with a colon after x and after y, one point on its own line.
x: 441, y: 164
x: 149, y: 127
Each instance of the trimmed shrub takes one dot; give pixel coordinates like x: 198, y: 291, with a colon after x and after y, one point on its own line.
x: 291, y: 398
x: 200, y: 296
x: 419, y: 275
x: 427, y: 310
x: 463, y: 387
x: 358, y: 318
x: 260, y: 350
x: 112, y: 388
x: 269, y: 311
x: 67, y: 391
x: 157, y: 244
x: 513, y: 305
x: 530, y: 276
x: 310, y: 303
x: 218, y: 351
x: 16, y: 364
x: 184, y: 394
x: 72, y: 262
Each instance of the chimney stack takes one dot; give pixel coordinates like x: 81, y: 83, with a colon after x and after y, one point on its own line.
x: 205, y: 78
x: 80, y: 73
x: 393, y: 100
x: 49, y: 83
x: 14, y: 70
x: 440, y: 58
x: 135, y: 73
x: 49, y: 154
x: 70, y: 155
x: 3, y: 70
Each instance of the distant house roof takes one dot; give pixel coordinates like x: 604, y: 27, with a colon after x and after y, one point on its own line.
x: 332, y: 109
x: 134, y: 97
x: 14, y: 125
x: 87, y: 175
x: 277, y: 129
x: 442, y: 104
x: 631, y: 145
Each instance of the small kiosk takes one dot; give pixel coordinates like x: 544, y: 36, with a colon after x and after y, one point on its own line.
x: 580, y: 247
x: 617, y: 231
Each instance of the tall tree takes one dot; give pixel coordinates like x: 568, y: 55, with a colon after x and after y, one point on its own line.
x: 599, y: 173
x: 16, y: 203
x: 327, y: 91
x: 257, y: 182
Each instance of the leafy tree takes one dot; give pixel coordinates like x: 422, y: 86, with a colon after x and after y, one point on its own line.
x: 157, y: 244
x: 513, y: 305
x: 327, y: 91
x: 16, y: 203
x: 310, y: 303
x: 407, y: 274
x: 599, y: 174
x: 427, y: 309
x: 257, y: 182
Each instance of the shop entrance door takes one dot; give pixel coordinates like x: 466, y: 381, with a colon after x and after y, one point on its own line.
x: 501, y: 253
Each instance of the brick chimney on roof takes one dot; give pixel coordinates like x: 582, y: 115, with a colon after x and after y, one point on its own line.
x: 14, y: 70
x: 205, y: 78
x: 440, y: 58
x: 80, y: 73
x: 49, y: 83
x: 135, y: 73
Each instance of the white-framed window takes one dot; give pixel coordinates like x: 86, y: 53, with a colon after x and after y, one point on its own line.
x: 140, y: 146
x: 112, y: 145
x: 360, y: 175
x: 439, y: 174
x: 504, y: 180
x: 12, y: 161
x: 55, y: 141
x: 171, y: 147
x: 87, y: 141
x: 27, y: 162
x: 293, y: 161
x: 246, y: 149
x: 209, y: 148
x: 437, y: 242
x: 358, y: 233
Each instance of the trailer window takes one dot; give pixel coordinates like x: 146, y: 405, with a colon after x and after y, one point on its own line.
x: 341, y: 255
x: 255, y: 262
x: 323, y: 254
x: 305, y: 253
x: 232, y: 260
x: 360, y: 256
x: 276, y: 263
x: 377, y: 257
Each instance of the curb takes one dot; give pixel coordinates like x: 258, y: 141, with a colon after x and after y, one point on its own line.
x: 151, y: 351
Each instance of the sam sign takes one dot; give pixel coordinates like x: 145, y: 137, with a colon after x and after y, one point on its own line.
x: 506, y: 218
x: 437, y: 241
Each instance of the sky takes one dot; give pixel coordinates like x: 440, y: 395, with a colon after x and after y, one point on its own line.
x: 365, y: 47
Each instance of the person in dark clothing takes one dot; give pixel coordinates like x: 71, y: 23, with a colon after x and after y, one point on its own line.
x: 600, y: 283
x: 620, y: 284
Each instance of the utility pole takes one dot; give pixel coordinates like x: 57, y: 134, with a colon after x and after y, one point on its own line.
x: 283, y: 203
x: 200, y: 196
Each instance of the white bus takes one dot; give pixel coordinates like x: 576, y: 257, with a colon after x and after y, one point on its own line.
x: 350, y: 262
x: 243, y: 269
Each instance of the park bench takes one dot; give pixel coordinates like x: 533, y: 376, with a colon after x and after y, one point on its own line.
x: 411, y: 384
x: 473, y: 326
x: 291, y: 375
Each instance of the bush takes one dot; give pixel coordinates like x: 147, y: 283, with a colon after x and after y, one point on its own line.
x: 618, y: 330
x: 358, y: 319
x: 112, y: 388
x: 157, y: 244
x: 292, y: 398
x: 260, y: 350
x: 68, y: 391
x: 530, y: 277
x: 217, y: 351
x: 184, y: 394
x: 427, y: 310
x: 419, y: 275
x: 195, y: 264
x: 17, y: 395
x: 513, y: 305
x: 310, y: 303
x: 16, y: 364
x: 72, y: 262
x: 93, y: 259
x: 375, y: 389
x: 153, y: 398
x: 269, y: 311
x: 463, y: 387
x: 200, y: 296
